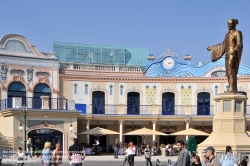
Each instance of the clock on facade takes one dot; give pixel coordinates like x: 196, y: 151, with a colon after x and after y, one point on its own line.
x: 168, y: 63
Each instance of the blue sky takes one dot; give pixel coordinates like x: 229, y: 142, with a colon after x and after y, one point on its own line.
x: 179, y: 25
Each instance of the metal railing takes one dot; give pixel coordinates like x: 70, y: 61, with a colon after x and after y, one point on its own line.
x: 145, y: 110
x: 35, y: 103
x: 100, y: 67
x: 203, y: 110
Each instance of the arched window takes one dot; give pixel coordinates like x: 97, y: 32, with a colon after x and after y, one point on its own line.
x: 133, y: 103
x: 203, y: 103
x: 16, y: 89
x: 110, y: 89
x: 98, y: 102
x: 168, y: 103
x: 227, y: 87
x: 86, y: 89
x: 121, y: 90
x: 40, y: 90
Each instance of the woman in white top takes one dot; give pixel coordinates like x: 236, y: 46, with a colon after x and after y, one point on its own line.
x: 229, y: 159
x: 20, y: 157
x: 147, y: 152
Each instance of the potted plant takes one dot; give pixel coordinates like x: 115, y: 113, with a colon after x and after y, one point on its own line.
x: 36, y: 152
x: 163, y: 149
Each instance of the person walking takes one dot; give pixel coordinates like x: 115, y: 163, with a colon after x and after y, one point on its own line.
x: 116, y: 148
x: 126, y: 155
x: 47, y: 155
x: 183, y: 157
x: 57, y: 155
x: 212, y: 160
x: 29, y: 147
x: 20, y: 157
x: 228, y: 159
x: 96, y: 147
x: 131, y: 154
x: 147, y: 153
x: 76, y: 154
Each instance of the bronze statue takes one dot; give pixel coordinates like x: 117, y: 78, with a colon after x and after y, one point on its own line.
x: 232, y: 46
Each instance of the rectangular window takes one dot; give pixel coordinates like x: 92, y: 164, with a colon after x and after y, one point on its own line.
x: 110, y: 91
x: 86, y: 90
x: 75, y: 89
x: 121, y: 91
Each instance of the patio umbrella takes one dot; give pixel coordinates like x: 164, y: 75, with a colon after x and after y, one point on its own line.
x: 190, y: 132
x: 99, y: 131
x: 145, y: 132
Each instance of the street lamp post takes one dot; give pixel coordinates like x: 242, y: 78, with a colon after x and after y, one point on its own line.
x: 24, y: 131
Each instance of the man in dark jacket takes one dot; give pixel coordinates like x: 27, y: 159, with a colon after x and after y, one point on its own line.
x: 183, y: 157
x: 116, y: 148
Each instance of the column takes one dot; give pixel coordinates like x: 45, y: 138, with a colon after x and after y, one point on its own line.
x: 187, y: 127
x: 121, y: 129
x: 154, y: 128
x: 87, y: 128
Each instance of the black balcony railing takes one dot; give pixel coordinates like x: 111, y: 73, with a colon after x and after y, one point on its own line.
x: 98, y: 109
x: 168, y: 110
x: 133, y: 109
x: 36, y: 103
x: 203, y: 109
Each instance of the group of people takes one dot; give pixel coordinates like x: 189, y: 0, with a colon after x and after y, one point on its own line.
x: 48, y: 157
x: 227, y: 159
x: 171, y: 149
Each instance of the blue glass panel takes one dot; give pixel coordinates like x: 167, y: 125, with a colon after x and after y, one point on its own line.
x: 17, y: 87
x: 42, y: 88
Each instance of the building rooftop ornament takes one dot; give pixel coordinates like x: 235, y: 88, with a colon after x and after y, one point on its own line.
x: 151, y: 56
x: 167, y: 53
x: 187, y: 57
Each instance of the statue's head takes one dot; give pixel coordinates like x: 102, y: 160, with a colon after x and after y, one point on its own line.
x: 232, y: 23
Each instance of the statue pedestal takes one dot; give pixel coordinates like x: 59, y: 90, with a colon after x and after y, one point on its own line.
x: 229, y: 126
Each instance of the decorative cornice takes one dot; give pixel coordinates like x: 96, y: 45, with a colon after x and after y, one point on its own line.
x: 134, y: 90
x: 168, y: 90
x: 157, y: 79
x: 204, y: 90
x: 98, y: 89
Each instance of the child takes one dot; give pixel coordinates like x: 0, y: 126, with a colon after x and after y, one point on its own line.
x: 20, y: 157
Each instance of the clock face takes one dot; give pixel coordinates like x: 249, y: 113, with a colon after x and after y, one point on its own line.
x: 168, y: 63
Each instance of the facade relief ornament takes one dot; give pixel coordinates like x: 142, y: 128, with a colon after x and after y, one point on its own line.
x: 134, y: 90
x: 17, y: 77
x: 98, y: 88
x: 30, y: 74
x: 3, y: 73
x: 46, y: 124
x: 43, y: 80
x: 169, y: 90
x: 204, y: 90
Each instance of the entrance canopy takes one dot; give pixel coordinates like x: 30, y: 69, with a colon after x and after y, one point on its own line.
x: 99, y: 131
x: 145, y: 131
x: 190, y: 132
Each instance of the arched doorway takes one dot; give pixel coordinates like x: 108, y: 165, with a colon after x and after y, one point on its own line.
x: 168, y: 103
x: 40, y: 136
x: 41, y: 90
x: 98, y: 102
x: 133, y: 103
x: 203, y: 103
x: 16, y: 89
